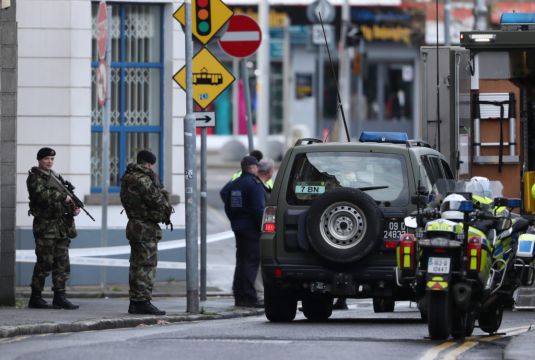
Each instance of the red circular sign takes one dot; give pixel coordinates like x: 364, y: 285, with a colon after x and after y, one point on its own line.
x: 102, y: 29
x: 102, y: 83
x: 242, y: 38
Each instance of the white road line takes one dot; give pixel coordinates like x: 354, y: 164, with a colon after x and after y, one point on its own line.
x: 94, y: 256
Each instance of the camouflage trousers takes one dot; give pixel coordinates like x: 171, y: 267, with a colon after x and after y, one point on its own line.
x: 143, y: 237
x: 52, y: 256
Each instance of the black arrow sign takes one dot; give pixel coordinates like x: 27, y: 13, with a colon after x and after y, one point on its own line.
x: 206, y: 118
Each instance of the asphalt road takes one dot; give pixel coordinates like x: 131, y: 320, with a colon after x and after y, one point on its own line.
x: 354, y: 334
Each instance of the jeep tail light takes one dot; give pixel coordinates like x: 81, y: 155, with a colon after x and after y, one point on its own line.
x: 406, y: 252
x: 391, y: 244
x: 474, y: 253
x: 268, y: 220
x: 277, y: 272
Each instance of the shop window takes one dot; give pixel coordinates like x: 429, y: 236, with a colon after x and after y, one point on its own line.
x: 136, y: 91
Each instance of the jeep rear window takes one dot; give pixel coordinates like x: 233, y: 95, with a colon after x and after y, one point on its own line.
x: 316, y: 173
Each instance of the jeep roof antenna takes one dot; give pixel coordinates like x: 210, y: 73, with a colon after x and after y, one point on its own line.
x: 335, y: 79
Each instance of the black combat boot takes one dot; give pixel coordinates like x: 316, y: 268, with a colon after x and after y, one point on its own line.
x: 61, y: 302
x: 144, y: 308
x: 37, y: 301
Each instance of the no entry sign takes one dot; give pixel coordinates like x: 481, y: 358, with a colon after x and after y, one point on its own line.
x: 102, y: 29
x: 242, y: 38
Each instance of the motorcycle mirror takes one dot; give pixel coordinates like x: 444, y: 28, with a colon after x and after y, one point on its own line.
x: 504, y: 224
x: 500, y: 201
x: 410, y: 222
x: 422, y: 190
x: 419, y: 200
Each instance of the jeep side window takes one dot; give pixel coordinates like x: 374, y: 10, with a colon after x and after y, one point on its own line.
x: 448, y: 174
x: 433, y: 168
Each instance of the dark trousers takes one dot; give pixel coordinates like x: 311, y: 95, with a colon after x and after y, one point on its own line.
x: 247, y: 262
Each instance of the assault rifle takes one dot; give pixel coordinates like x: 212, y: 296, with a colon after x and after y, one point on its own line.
x: 68, y: 188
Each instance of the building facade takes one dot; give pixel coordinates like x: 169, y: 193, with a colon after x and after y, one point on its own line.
x: 57, y: 107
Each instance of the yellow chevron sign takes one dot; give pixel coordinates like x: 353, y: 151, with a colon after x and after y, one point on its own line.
x: 437, y: 283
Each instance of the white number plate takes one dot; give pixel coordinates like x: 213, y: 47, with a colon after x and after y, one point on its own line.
x: 438, y: 265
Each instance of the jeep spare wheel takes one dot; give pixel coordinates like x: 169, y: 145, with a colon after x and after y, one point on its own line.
x: 344, y: 225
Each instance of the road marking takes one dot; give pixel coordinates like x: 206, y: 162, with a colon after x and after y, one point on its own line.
x: 434, y: 351
x: 452, y: 355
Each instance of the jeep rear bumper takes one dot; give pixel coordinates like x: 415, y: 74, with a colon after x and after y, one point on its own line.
x: 371, y: 281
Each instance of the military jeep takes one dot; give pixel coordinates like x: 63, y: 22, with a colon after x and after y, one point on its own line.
x: 334, y: 218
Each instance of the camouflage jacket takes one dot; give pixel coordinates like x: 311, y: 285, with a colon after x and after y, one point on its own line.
x: 143, y: 197
x: 52, y: 217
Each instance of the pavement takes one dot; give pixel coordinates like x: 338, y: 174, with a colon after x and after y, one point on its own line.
x: 108, y: 309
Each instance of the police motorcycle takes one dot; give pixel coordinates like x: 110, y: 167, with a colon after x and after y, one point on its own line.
x: 458, y: 258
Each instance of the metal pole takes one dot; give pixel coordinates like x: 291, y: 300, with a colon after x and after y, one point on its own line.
x: 360, y: 114
x: 287, y: 80
x: 106, y: 115
x: 343, y: 70
x: 447, y: 22
x: 190, y: 178
x: 203, y: 214
x: 262, y: 88
x: 319, y: 91
x: 235, y: 98
x: 480, y: 14
x: 247, y: 92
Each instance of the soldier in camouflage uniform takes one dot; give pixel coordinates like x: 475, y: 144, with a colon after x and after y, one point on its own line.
x: 146, y: 205
x: 53, y: 227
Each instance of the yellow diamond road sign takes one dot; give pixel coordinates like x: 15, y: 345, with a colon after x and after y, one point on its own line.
x: 210, y: 78
x: 208, y: 17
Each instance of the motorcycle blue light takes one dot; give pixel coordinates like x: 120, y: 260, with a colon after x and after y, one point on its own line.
x: 514, y: 203
x: 385, y: 136
x: 466, y: 206
x: 517, y: 18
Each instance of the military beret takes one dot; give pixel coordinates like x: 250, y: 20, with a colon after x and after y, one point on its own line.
x: 44, y: 152
x: 145, y: 156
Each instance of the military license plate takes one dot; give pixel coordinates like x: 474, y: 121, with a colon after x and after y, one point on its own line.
x: 393, y: 228
x: 438, y: 265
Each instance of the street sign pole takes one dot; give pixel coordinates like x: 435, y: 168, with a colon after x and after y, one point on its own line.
x: 247, y: 93
x: 190, y: 180
x: 203, y: 214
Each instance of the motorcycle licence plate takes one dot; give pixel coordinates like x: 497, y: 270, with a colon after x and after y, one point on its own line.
x: 438, y: 265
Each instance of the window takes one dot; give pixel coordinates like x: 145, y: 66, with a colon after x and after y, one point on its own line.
x: 316, y: 173
x: 136, y: 92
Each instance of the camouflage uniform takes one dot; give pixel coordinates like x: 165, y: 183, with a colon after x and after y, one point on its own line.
x: 53, y: 224
x: 146, y: 204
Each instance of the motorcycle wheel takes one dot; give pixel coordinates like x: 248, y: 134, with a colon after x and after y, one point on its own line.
x: 490, y: 321
x: 438, y: 315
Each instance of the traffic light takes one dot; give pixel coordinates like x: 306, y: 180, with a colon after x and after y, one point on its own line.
x: 202, y: 17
